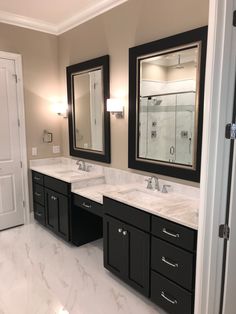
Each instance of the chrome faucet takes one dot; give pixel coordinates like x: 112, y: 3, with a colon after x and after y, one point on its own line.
x: 150, y: 186
x: 81, y: 165
x: 157, y: 185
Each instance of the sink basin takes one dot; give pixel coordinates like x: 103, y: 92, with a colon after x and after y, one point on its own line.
x: 71, y: 173
x: 142, y: 195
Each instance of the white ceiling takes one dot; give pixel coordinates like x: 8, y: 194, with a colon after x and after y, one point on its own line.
x: 52, y: 16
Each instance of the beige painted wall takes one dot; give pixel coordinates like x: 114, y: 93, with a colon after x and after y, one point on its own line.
x: 188, y: 72
x: 153, y: 72
x: 132, y: 23
x: 40, y: 74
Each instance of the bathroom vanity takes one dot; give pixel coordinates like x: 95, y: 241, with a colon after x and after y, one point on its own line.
x: 153, y: 255
x: 56, y: 209
x: 149, y: 237
x: 52, y: 203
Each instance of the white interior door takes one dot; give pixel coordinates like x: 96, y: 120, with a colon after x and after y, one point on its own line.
x: 11, y: 183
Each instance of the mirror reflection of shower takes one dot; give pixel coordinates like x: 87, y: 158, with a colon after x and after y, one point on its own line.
x: 167, y: 107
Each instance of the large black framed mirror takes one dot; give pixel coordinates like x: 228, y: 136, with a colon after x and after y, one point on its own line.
x: 89, y: 122
x: 166, y: 96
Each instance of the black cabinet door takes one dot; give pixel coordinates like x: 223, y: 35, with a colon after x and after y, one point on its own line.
x: 115, y: 247
x: 127, y: 253
x: 57, y: 213
x: 138, y: 259
x: 52, y: 205
x: 63, y: 216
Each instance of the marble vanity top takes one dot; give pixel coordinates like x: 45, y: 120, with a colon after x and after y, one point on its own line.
x: 180, y: 204
x: 172, y: 206
x: 64, y: 171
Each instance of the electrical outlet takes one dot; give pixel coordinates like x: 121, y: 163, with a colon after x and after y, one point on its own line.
x: 56, y: 149
x: 34, y: 151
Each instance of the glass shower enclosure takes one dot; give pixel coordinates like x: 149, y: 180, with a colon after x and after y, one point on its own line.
x: 166, y: 127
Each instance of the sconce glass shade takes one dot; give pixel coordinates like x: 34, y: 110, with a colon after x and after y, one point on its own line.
x: 60, y: 108
x: 115, y: 106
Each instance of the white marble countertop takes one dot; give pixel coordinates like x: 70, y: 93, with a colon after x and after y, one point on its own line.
x: 172, y: 206
x: 65, y: 172
x: 180, y: 204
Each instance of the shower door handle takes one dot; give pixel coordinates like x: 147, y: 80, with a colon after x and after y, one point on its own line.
x: 172, y: 150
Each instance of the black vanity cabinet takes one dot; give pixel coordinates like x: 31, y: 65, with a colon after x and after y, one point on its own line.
x: 127, y: 244
x: 173, y: 256
x: 155, y: 256
x: 86, y: 220
x: 53, y: 196
x: 38, y: 197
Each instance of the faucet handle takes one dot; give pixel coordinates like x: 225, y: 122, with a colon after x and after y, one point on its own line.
x: 88, y: 167
x: 149, y: 185
x: 80, y: 164
x: 164, y: 188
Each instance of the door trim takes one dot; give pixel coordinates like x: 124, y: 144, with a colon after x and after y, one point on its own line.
x: 22, y: 132
x: 218, y: 108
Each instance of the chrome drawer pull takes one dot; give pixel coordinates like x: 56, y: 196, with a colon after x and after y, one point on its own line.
x: 169, y: 263
x: 174, y: 235
x: 36, y: 178
x: 174, y: 301
x: 86, y: 205
x: 37, y: 194
x: 120, y: 230
x: 38, y: 214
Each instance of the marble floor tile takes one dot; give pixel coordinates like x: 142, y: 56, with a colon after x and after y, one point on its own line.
x: 41, y: 274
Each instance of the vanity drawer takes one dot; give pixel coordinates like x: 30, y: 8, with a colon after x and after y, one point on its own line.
x: 38, y: 194
x: 169, y: 296
x: 87, y: 204
x: 57, y: 185
x: 128, y: 214
x: 39, y: 213
x: 174, y: 233
x: 37, y: 177
x: 173, y: 262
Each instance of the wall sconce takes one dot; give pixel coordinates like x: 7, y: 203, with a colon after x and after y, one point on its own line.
x: 60, y: 108
x: 115, y: 106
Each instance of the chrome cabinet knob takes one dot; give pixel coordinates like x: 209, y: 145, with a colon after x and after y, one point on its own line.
x: 120, y: 230
x: 124, y: 233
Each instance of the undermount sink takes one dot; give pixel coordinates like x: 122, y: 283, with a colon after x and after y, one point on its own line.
x: 71, y: 173
x: 142, y: 195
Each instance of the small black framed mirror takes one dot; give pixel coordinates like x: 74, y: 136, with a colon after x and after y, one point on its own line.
x: 166, y: 96
x: 89, y: 121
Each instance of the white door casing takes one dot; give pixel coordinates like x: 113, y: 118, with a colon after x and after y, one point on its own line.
x: 13, y: 173
x: 218, y: 109
x: 229, y: 300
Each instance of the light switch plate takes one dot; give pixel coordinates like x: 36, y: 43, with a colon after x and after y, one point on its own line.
x: 56, y: 149
x: 34, y: 151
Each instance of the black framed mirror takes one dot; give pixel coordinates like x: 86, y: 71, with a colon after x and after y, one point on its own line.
x: 89, y: 122
x: 166, y: 96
